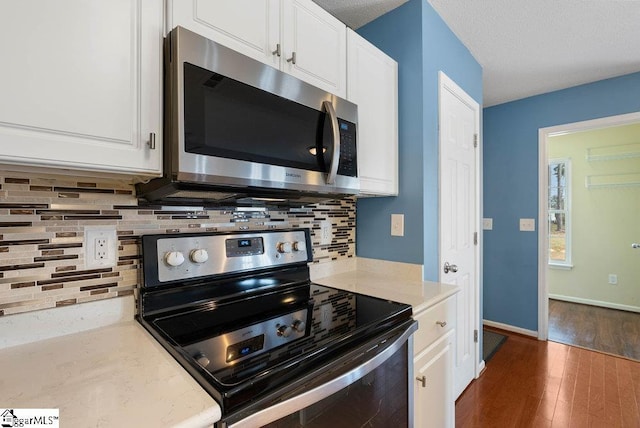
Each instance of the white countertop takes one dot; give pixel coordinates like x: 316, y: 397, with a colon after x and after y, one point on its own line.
x: 395, y: 281
x: 113, y: 376
x: 419, y: 294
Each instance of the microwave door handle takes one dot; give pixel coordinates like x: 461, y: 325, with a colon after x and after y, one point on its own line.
x: 335, y: 159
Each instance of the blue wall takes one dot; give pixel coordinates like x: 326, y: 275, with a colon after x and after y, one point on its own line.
x: 422, y: 44
x: 442, y: 51
x: 399, y: 35
x: 510, y: 171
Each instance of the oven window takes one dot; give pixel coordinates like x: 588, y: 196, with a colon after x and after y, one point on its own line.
x: 380, y: 398
x: 230, y: 119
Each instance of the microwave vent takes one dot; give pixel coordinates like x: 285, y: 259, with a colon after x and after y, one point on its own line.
x: 200, y: 194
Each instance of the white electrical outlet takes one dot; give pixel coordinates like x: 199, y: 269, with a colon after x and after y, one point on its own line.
x: 100, y: 246
x: 397, y: 224
x: 613, y: 279
x: 325, y: 233
x: 527, y: 224
x: 102, y: 253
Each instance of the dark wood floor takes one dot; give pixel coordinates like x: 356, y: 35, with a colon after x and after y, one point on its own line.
x: 602, y: 329
x: 532, y: 383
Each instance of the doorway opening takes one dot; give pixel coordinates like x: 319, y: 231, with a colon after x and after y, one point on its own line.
x: 588, y: 222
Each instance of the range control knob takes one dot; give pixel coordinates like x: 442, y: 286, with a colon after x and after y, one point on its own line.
x: 298, y: 246
x: 202, y: 359
x: 298, y: 326
x: 283, y: 330
x: 199, y: 255
x: 284, y: 247
x: 174, y: 258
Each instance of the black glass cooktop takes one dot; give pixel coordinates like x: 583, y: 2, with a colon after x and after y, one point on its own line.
x: 338, y: 322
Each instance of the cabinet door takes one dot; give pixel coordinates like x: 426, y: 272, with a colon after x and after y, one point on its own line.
x: 433, y: 388
x: 372, y: 83
x: 250, y: 27
x: 72, y: 83
x: 318, y: 41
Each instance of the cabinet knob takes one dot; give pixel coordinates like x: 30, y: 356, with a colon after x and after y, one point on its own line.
x: 441, y: 323
x: 152, y: 141
x: 277, y: 52
x: 292, y: 60
x: 422, y: 380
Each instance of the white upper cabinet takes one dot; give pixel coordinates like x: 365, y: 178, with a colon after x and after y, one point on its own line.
x: 295, y: 36
x: 251, y: 27
x: 314, y: 46
x: 81, y: 84
x: 372, y: 83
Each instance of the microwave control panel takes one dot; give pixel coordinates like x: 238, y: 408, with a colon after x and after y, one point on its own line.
x: 347, y: 165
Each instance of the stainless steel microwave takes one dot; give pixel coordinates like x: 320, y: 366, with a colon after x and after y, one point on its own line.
x: 239, y: 130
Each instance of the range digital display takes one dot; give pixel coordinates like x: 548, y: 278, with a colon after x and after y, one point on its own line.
x: 240, y: 247
x: 244, y: 348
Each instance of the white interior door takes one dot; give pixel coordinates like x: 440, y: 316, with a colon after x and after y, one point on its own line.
x: 459, y: 220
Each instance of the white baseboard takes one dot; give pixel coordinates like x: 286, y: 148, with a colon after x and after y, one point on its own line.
x: 511, y: 328
x: 595, y: 303
x: 481, y: 368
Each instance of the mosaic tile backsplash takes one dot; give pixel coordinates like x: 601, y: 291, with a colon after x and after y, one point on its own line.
x: 43, y: 220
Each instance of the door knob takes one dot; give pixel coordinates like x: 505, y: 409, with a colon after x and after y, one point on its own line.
x: 448, y: 267
x: 635, y: 245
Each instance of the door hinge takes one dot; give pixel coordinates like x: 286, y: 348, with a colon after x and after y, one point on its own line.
x: 475, y: 140
x: 475, y: 336
x: 475, y: 238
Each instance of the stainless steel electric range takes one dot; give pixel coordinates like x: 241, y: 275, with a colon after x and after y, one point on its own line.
x: 239, y: 312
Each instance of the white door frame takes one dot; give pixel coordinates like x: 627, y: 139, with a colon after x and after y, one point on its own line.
x: 446, y: 84
x: 543, y: 193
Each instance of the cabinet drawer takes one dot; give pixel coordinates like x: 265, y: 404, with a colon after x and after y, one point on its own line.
x: 428, y: 328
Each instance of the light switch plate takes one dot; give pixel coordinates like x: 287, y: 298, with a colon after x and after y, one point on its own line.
x: 527, y: 224
x: 487, y: 224
x: 397, y: 224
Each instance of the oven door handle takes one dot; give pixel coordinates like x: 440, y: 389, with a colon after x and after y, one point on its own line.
x: 299, y: 402
x: 335, y: 158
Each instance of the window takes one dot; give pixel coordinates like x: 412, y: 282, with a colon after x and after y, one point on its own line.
x: 559, y: 212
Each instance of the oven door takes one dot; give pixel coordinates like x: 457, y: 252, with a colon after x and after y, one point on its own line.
x: 368, y: 384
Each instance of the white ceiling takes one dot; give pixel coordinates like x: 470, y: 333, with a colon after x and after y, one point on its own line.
x: 530, y: 47
x: 356, y: 13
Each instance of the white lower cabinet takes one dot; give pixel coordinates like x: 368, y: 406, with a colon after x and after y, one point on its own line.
x: 81, y: 84
x: 433, y: 388
x: 434, y: 404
